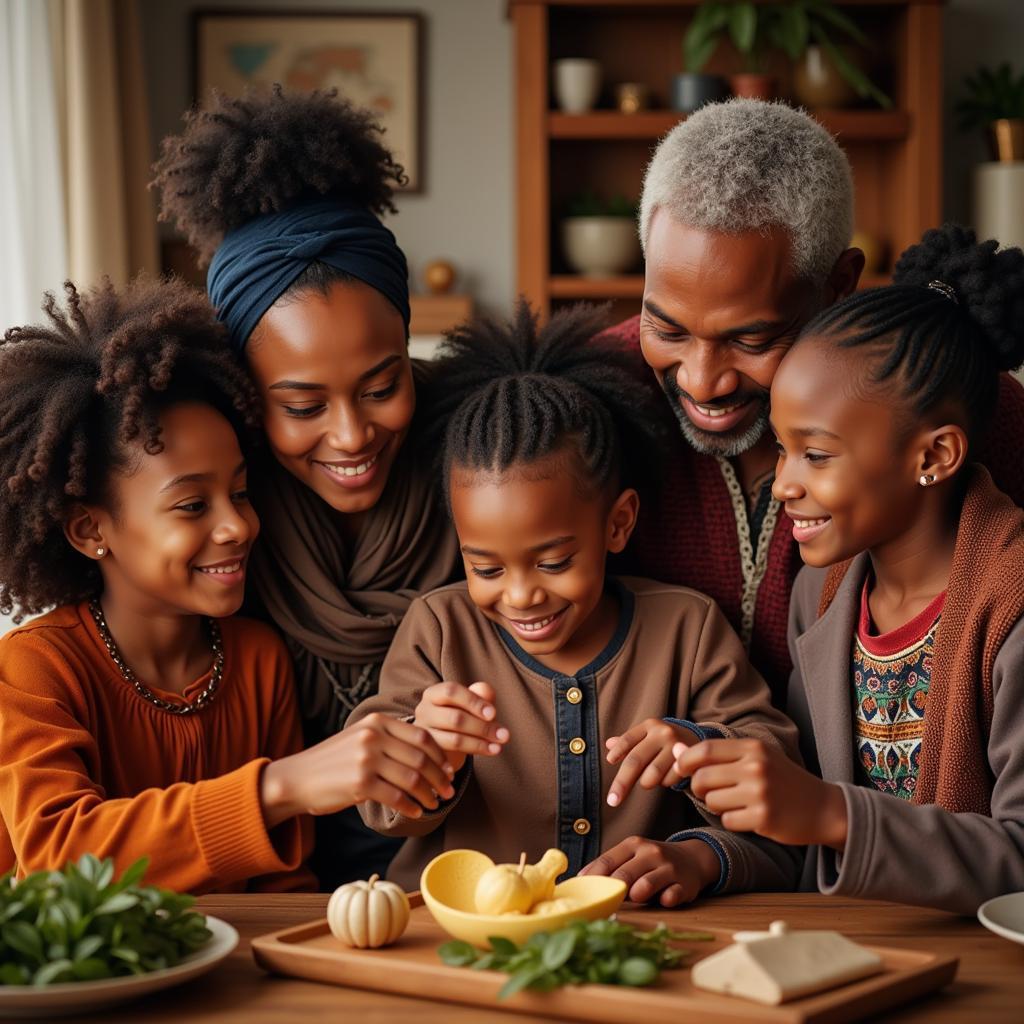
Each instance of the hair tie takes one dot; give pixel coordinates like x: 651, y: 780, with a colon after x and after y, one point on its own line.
x: 944, y: 289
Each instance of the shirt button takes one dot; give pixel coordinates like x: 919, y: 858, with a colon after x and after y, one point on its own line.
x: 581, y: 826
x: 574, y: 695
x: 578, y: 745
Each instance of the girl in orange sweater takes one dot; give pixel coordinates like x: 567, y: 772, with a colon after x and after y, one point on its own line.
x: 137, y: 718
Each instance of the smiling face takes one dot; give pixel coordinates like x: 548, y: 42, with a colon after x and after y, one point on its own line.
x: 534, y: 549
x: 720, y: 311
x: 335, y: 379
x: 179, y: 525
x: 848, y: 466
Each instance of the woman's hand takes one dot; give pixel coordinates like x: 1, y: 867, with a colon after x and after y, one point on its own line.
x: 676, y: 871
x: 381, y: 758
x: 645, y: 751
x: 754, y: 787
x: 462, y: 720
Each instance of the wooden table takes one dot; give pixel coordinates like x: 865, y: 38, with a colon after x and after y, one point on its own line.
x: 989, y: 988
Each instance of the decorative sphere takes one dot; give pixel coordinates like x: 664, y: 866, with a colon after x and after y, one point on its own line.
x: 439, y: 276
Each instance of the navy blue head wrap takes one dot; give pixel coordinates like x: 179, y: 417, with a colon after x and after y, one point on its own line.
x: 257, y: 262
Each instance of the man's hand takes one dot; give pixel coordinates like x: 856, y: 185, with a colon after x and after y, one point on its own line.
x: 462, y: 720
x: 754, y: 787
x: 645, y: 751
x: 676, y: 871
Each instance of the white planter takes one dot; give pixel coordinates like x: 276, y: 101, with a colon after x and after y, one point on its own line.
x: 577, y: 84
x: 601, y: 246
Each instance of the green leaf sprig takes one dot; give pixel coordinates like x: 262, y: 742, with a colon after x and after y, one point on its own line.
x: 605, y: 952
x: 80, y: 924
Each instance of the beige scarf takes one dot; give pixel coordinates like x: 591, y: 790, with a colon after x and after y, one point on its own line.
x: 337, y: 604
x: 984, y: 601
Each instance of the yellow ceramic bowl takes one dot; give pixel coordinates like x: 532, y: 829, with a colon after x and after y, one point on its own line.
x: 448, y: 884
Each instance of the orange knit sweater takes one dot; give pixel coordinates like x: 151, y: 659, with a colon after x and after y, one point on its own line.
x: 87, y: 765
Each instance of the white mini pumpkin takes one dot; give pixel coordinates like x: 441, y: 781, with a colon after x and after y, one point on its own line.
x: 367, y: 915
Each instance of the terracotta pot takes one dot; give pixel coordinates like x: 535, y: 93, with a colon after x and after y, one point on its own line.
x: 1006, y: 139
x: 818, y: 83
x: 753, y: 87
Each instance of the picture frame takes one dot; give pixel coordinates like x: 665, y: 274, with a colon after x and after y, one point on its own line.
x: 374, y: 58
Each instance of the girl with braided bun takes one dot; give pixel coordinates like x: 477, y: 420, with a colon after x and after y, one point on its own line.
x: 139, y: 718
x: 282, y: 195
x: 554, y: 689
x: 907, y: 622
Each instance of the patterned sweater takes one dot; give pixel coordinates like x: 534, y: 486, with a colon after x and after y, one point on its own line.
x: 891, y: 673
x: 695, y: 532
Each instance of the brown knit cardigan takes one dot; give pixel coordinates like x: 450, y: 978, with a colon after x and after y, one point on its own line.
x: 984, y: 601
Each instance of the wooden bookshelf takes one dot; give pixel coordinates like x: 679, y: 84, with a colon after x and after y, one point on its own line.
x: 896, y: 155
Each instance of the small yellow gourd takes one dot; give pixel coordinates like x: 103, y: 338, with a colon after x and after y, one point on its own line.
x: 367, y: 915
x: 542, y: 875
x: 504, y: 889
x: 560, y: 906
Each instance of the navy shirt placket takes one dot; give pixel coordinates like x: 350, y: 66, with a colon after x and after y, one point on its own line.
x: 579, y: 770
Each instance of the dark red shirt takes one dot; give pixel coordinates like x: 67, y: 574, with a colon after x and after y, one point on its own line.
x: 689, y: 532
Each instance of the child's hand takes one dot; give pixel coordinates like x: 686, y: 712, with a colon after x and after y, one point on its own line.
x: 678, y: 871
x: 754, y: 787
x: 461, y: 720
x: 381, y: 758
x: 646, y: 755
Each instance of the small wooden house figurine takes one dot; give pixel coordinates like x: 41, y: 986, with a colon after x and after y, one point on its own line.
x: 779, y: 964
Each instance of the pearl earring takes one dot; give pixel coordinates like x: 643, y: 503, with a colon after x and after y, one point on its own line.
x: 925, y: 479
x: 100, y: 552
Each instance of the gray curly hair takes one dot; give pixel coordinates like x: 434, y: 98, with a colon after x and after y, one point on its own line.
x: 747, y: 165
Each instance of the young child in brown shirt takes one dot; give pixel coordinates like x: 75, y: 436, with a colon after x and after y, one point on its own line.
x: 538, y: 665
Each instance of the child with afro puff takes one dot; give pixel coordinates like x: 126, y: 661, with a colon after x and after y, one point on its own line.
x: 138, y: 717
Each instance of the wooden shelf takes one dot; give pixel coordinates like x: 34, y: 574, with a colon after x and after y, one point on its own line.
x: 574, y: 286
x: 848, y: 125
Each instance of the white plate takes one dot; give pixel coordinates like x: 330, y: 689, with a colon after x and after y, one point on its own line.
x: 1004, y: 915
x: 79, y: 996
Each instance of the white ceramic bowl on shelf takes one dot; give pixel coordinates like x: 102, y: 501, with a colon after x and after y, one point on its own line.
x: 601, y: 246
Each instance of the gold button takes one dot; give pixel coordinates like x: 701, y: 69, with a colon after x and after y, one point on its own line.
x: 574, y: 695
x: 581, y: 826
x: 578, y: 745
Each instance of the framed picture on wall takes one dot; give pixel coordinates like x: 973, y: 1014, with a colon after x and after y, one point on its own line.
x: 373, y: 59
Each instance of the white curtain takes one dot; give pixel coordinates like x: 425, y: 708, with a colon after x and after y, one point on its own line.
x: 33, y: 243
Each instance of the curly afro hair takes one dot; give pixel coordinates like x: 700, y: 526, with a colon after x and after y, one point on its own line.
x: 80, y: 398
x: 952, y: 319
x: 510, y: 394
x: 242, y: 157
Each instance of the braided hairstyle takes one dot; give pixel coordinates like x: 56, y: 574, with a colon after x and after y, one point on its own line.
x: 510, y: 394
x: 952, y: 319
x: 80, y: 398
x: 240, y: 158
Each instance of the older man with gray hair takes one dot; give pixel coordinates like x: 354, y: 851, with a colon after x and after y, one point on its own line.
x: 746, y: 219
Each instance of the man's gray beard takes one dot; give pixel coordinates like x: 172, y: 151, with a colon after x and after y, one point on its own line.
x: 706, y: 442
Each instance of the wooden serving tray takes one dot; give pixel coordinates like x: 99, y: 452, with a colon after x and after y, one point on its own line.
x: 412, y: 967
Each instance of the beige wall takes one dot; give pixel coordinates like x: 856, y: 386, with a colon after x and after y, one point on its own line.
x: 465, y: 213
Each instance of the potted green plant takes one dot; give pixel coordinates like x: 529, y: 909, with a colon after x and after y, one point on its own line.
x: 748, y: 25
x: 600, y: 238
x: 994, y: 100
x: 825, y: 73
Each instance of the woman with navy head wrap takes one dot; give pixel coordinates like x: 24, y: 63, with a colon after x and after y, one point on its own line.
x: 282, y: 194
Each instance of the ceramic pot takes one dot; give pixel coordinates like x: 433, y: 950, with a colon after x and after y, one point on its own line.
x: 577, y: 84
x: 753, y: 87
x: 600, y: 246
x: 817, y: 82
x: 690, y: 92
x: 1006, y: 139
